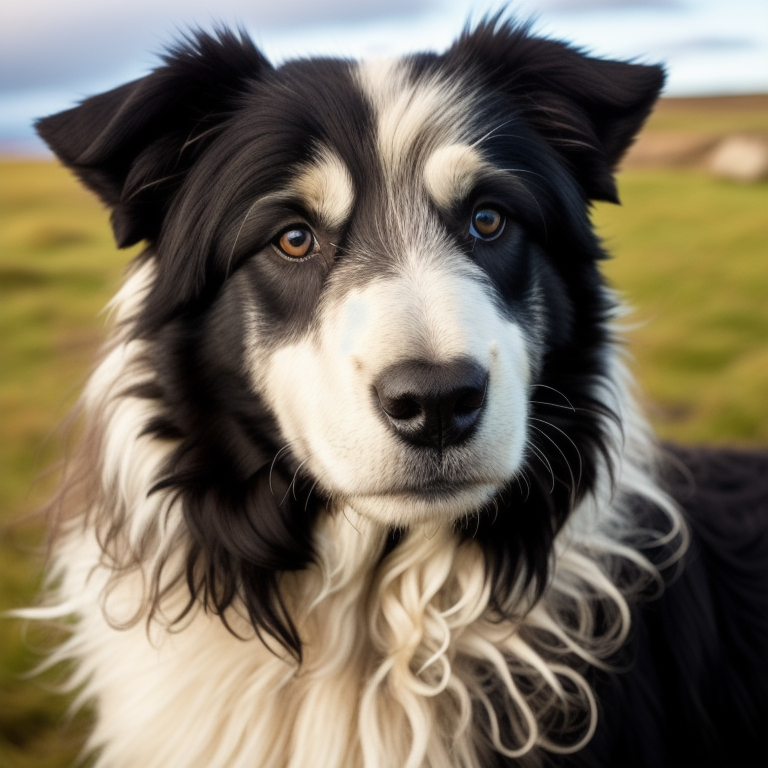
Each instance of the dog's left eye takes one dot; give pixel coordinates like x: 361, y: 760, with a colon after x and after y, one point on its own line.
x: 486, y: 223
x: 296, y: 243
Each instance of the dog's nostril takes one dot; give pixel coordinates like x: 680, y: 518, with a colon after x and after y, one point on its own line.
x: 432, y: 404
x: 400, y: 407
x: 470, y: 399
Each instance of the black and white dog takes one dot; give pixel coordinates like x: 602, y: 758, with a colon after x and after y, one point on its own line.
x: 361, y: 481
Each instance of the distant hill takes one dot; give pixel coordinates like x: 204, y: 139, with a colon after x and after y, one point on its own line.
x: 685, y: 132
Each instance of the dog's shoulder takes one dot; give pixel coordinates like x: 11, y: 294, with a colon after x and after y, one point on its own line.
x: 693, y: 680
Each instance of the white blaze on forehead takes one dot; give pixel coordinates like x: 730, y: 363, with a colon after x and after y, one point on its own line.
x: 418, y: 316
x: 433, y: 309
x: 410, y: 112
x: 451, y: 172
x: 326, y: 188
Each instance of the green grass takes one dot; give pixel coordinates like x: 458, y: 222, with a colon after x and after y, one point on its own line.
x: 58, y: 267
x: 691, y: 256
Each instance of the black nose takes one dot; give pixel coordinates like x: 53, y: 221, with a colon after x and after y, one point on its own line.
x: 431, y: 404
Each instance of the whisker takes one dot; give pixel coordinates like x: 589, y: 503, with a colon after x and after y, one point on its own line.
x: 542, y: 457
x: 527, y: 482
x: 565, y: 459
x: 272, y: 466
x: 293, y: 480
x: 295, y: 475
x: 495, y: 513
x: 344, y: 512
x: 551, y: 405
x: 522, y: 476
x: 467, y: 516
x: 565, y: 435
x: 309, y: 495
x: 556, y: 391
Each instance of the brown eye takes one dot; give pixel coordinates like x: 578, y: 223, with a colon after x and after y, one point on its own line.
x: 296, y: 243
x: 486, y: 224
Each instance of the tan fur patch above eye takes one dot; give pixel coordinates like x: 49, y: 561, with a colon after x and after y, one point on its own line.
x: 326, y: 189
x: 450, y: 173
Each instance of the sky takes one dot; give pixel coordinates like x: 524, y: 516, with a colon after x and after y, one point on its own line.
x: 54, y: 53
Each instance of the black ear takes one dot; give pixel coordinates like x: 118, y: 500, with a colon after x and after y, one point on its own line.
x: 588, y: 109
x: 134, y: 145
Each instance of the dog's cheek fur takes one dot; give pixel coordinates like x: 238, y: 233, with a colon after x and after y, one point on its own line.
x: 239, y: 504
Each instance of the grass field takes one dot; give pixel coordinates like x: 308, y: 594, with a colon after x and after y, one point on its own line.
x: 691, y: 255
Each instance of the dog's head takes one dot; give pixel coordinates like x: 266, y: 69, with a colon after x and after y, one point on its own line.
x: 374, y: 285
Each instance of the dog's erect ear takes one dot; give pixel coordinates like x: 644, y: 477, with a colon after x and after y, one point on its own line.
x: 588, y: 109
x: 133, y: 145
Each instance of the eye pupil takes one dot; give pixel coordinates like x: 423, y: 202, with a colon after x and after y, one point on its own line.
x: 487, y: 223
x: 296, y: 243
x: 296, y: 238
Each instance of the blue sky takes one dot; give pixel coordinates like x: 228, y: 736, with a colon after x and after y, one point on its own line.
x: 54, y: 52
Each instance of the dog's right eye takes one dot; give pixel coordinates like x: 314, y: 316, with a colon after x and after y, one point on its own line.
x: 486, y: 224
x: 296, y: 243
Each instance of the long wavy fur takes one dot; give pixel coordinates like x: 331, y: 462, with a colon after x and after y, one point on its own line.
x: 233, y: 609
x: 405, y: 643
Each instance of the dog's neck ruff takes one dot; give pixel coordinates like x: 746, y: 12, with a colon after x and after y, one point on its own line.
x: 404, y: 653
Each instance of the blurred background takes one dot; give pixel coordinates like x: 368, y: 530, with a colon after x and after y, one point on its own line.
x: 690, y: 240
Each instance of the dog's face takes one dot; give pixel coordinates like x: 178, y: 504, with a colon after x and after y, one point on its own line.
x: 398, y: 288
x: 375, y: 282
x: 393, y: 297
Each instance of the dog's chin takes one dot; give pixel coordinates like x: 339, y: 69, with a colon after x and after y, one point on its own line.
x: 406, y: 509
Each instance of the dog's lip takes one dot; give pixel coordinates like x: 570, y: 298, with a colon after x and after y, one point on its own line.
x: 433, y: 489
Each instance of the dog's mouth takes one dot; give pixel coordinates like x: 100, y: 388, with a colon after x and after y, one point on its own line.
x: 437, y: 479
x: 416, y: 503
x: 434, y: 489
x: 420, y: 488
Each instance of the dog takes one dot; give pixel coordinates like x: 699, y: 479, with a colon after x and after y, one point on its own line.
x: 361, y: 480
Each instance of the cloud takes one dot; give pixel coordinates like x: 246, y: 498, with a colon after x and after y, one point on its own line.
x: 712, y: 44
x: 46, y: 43
x: 578, y: 6
x: 53, y: 52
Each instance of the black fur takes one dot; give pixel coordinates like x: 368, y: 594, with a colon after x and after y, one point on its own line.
x: 693, y: 683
